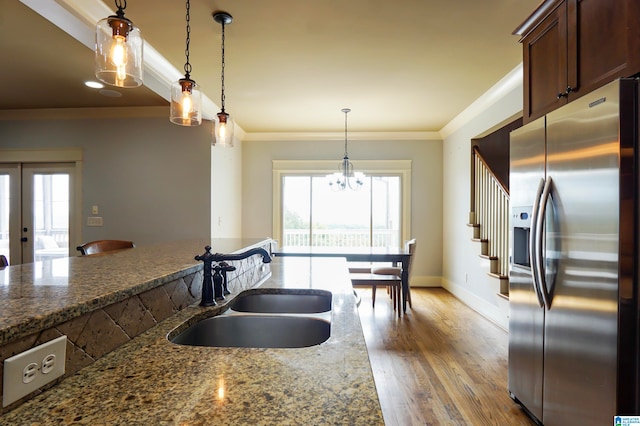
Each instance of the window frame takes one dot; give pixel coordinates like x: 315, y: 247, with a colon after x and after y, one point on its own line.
x: 401, y: 168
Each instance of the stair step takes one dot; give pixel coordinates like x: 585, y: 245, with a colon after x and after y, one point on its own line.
x: 476, y: 229
x: 484, y: 244
x: 504, y: 282
x: 498, y: 276
x: 487, y: 257
x: 503, y: 296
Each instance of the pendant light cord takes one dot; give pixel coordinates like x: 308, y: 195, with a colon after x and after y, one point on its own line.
x: 222, y: 97
x: 187, y: 65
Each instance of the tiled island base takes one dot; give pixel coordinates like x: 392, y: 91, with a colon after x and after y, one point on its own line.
x: 101, y: 329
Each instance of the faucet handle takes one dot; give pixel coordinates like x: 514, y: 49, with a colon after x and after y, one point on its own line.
x: 226, y: 267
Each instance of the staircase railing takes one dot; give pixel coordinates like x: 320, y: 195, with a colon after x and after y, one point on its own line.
x: 490, y: 204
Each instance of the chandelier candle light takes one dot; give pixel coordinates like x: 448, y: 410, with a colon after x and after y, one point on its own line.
x: 345, y: 177
x: 224, y: 126
x: 118, y: 57
x: 186, y: 97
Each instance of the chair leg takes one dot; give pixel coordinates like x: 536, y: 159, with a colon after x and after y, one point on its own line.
x: 399, y: 299
x: 373, y: 295
x: 392, y: 293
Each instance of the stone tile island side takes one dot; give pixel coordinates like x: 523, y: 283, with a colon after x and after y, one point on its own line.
x: 135, y: 376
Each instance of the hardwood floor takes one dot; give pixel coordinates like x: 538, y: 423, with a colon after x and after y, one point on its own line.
x: 441, y: 364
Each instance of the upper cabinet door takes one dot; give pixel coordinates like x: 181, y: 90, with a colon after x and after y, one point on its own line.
x: 545, y: 65
x: 572, y: 47
x: 603, y: 43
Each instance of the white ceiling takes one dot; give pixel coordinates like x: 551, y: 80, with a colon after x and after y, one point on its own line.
x: 291, y: 65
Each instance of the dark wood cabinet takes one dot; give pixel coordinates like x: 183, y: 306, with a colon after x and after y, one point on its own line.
x: 571, y: 47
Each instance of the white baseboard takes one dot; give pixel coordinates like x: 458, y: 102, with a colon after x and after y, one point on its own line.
x: 491, y: 312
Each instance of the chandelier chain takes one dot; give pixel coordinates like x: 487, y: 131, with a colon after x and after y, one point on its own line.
x: 121, y: 8
x: 222, y: 97
x: 187, y: 65
x: 345, y: 133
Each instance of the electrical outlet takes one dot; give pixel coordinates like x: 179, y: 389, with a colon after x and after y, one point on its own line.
x: 32, y: 369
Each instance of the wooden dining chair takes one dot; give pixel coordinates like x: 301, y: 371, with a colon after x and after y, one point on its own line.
x: 102, y: 246
x: 394, y: 289
x: 386, y: 275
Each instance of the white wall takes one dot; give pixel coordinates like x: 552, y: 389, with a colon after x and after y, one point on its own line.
x: 226, y: 191
x: 151, y: 181
x: 464, y: 274
x: 426, y: 215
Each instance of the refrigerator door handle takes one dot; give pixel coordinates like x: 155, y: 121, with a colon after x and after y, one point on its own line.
x: 533, y: 259
x: 539, y: 236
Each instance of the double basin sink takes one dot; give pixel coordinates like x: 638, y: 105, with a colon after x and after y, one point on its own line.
x: 265, y: 318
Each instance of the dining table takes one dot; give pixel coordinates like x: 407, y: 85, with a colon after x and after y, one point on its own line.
x: 395, y: 255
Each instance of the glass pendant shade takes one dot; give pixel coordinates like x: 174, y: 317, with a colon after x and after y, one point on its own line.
x: 186, y: 103
x: 118, y: 57
x: 223, y: 130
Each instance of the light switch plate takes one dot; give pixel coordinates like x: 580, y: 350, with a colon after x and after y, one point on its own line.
x: 32, y: 369
x: 94, y: 221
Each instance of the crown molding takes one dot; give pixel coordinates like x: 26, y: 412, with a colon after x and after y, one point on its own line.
x: 353, y: 136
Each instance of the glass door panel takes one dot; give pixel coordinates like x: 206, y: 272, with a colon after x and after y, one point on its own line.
x: 46, y: 211
x: 340, y: 218
x: 10, y: 212
x: 385, y: 211
x: 296, y: 211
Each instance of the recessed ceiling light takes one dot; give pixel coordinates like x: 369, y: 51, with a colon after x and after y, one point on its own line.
x: 94, y: 84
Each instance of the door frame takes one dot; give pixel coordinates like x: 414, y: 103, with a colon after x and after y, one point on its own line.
x: 64, y: 155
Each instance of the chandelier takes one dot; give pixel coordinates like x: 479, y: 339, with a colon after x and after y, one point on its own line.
x: 345, y: 177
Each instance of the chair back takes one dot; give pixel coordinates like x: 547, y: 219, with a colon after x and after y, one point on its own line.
x: 101, y: 246
x: 3, y: 261
x: 410, y: 246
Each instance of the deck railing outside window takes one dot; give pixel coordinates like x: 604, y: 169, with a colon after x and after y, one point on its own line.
x: 340, y: 238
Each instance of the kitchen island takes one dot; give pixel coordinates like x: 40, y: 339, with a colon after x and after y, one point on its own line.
x: 149, y: 380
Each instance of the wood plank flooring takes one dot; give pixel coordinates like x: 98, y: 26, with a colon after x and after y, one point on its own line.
x: 441, y: 364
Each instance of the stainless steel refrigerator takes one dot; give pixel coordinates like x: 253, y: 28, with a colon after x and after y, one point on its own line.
x: 573, y: 325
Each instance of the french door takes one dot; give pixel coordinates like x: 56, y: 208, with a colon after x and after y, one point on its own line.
x: 36, y: 211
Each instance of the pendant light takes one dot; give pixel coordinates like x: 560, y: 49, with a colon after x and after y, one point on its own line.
x: 186, y: 97
x: 119, y: 43
x: 345, y: 177
x: 224, y: 125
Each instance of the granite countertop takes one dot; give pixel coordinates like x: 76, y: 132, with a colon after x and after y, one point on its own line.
x: 153, y: 381
x: 38, y: 295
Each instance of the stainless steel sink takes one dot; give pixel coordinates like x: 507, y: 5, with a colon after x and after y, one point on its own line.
x: 256, y: 331
x: 289, y: 301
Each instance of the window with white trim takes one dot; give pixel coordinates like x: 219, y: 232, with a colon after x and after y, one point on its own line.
x: 308, y: 212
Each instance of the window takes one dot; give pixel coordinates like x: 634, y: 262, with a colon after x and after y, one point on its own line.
x: 313, y: 214
x: 307, y: 212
